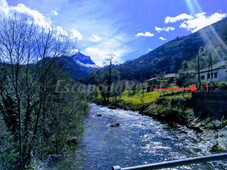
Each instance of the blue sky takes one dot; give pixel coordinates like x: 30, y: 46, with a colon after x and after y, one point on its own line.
x: 126, y: 28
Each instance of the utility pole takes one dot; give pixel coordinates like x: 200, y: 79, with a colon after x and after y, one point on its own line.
x: 198, y: 67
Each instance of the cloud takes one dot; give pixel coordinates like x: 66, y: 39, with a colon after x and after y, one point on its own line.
x: 61, y: 31
x: 54, y: 13
x: 166, y: 29
x: 200, y: 20
x: 95, y: 38
x: 3, y: 3
x: 38, y: 17
x: 149, y: 49
x: 115, y: 45
x: 162, y: 38
x: 180, y: 17
x: 193, y: 22
x: 74, y: 34
x: 74, y: 51
x: 100, y: 55
x: 3, y: 6
x: 97, y: 54
x: 145, y: 34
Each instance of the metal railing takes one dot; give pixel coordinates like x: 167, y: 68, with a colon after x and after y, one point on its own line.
x: 175, y: 163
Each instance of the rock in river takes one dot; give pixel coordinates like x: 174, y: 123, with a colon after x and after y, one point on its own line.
x: 99, y: 115
x: 114, y: 124
x: 72, y: 140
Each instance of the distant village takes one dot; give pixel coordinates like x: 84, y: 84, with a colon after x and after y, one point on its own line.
x: 217, y: 73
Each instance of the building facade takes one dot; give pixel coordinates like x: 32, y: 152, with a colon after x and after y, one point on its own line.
x: 218, y: 73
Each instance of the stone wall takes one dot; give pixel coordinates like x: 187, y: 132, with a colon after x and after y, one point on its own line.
x: 212, y: 104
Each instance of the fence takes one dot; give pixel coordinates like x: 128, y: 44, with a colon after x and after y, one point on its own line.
x: 175, y: 163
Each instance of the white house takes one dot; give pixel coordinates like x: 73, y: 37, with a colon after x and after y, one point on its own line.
x: 219, y: 72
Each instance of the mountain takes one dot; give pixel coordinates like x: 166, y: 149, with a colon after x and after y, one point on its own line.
x: 78, y: 66
x: 83, y: 59
x: 169, y: 57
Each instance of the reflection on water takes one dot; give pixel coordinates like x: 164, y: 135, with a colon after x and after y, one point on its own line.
x: 138, y: 140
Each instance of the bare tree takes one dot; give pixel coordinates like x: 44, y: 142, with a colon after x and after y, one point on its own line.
x: 105, y: 77
x: 24, y: 104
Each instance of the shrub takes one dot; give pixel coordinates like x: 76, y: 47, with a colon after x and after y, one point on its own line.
x: 218, y: 85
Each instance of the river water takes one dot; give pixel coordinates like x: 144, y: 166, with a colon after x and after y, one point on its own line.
x: 138, y: 140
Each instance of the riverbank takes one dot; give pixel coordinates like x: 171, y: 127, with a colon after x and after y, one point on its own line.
x: 137, y: 140
x: 170, y: 108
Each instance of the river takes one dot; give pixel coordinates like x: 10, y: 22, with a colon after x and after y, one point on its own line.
x: 138, y: 140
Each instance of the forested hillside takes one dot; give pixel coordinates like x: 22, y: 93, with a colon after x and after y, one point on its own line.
x: 169, y: 57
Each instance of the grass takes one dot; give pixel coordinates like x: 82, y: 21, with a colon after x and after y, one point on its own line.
x: 149, y: 97
x: 170, y: 106
x: 138, y: 98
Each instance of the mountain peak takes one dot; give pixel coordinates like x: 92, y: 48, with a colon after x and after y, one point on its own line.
x: 79, y: 57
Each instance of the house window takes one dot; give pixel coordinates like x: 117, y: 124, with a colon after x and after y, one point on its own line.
x: 208, y: 76
x: 202, y: 77
x: 215, y: 75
